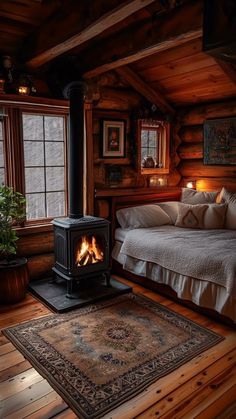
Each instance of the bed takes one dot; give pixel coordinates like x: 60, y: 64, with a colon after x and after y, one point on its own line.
x: 197, y: 264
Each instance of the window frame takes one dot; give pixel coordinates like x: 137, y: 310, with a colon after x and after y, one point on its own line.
x: 13, y: 109
x: 163, y: 127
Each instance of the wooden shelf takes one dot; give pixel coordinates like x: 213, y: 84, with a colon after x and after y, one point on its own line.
x: 121, y: 161
x: 102, y: 193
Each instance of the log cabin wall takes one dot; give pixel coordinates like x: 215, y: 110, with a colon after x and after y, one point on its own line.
x: 189, y: 137
x: 37, y: 245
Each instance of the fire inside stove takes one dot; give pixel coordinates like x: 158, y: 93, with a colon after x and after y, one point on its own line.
x: 89, y: 251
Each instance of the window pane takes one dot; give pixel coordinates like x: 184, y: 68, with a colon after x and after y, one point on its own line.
x: 54, y: 130
x: 33, y: 153
x: 2, y: 177
x: 35, y: 206
x: 54, y: 154
x: 33, y: 127
x: 55, y: 179
x: 144, y: 138
x: 34, y: 179
x: 152, y: 138
x: 1, y: 153
x: 152, y: 152
x: 44, y: 166
x: 55, y: 204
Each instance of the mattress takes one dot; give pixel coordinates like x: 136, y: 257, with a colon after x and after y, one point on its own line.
x: 120, y: 234
x: 203, y: 293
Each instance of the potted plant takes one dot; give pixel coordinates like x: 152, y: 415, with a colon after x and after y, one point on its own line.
x: 14, y: 275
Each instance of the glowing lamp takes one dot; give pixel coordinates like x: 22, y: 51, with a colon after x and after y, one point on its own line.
x: 190, y: 185
x: 23, y: 90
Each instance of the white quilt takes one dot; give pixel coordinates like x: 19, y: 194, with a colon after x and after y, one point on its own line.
x: 208, y: 255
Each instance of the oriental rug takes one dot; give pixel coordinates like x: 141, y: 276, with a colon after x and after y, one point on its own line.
x: 99, y: 356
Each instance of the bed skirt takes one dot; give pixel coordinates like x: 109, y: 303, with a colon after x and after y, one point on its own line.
x: 202, y: 293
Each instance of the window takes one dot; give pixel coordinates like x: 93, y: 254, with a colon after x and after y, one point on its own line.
x: 44, y: 166
x: 153, y: 147
x: 2, y: 164
x: 35, y: 138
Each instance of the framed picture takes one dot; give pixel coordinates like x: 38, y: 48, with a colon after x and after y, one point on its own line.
x: 113, y: 138
x: 220, y: 141
x: 114, y: 175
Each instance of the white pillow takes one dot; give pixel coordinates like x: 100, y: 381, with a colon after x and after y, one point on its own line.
x: 214, y: 216
x: 171, y: 209
x: 191, y: 196
x: 142, y: 216
x: 230, y: 199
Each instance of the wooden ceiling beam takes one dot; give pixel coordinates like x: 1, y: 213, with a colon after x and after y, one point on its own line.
x: 46, y: 47
x: 228, y: 68
x: 146, y: 38
x: 145, y: 90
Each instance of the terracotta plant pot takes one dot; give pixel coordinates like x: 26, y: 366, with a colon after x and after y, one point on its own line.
x: 14, y: 279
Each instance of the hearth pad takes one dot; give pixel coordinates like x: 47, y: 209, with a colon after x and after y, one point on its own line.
x: 53, y: 294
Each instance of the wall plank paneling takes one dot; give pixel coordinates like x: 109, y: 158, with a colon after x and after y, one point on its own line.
x: 190, y: 150
x: 38, y: 247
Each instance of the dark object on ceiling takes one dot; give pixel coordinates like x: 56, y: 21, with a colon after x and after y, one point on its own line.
x: 219, y: 29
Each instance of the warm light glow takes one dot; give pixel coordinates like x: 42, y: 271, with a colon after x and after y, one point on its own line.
x: 190, y: 185
x: 23, y: 90
x: 89, y: 252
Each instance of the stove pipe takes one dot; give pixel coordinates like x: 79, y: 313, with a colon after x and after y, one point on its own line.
x: 75, y: 149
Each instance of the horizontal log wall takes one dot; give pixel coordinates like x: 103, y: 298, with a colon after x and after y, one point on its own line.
x: 38, y: 248
x: 189, y: 138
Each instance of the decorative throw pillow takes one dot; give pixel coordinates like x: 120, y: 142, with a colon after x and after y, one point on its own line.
x: 215, y: 216
x: 191, y: 216
x: 191, y: 196
x: 142, y: 216
x: 171, y: 209
x: 230, y: 199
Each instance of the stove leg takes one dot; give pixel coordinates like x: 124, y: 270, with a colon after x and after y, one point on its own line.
x: 107, y: 276
x: 69, y: 285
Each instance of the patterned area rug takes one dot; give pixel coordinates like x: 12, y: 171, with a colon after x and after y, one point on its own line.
x: 99, y: 356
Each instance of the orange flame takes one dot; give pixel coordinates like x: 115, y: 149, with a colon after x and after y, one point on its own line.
x: 89, y: 252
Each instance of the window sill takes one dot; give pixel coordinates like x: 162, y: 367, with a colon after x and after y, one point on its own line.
x: 34, y: 229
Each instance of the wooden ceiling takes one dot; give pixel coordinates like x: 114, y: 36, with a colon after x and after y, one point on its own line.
x: 186, y: 75
x: 154, y: 45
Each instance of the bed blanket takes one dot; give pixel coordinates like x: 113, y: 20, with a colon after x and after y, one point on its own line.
x: 209, y: 255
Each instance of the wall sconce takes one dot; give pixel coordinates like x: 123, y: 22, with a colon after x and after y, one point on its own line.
x: 191, y: 184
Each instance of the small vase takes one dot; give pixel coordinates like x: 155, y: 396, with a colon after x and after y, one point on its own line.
x: 148, y: 162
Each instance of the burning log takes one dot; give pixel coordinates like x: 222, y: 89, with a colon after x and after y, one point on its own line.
x: 89, y: 252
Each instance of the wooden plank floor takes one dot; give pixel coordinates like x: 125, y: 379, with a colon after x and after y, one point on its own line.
x: 203, y: 388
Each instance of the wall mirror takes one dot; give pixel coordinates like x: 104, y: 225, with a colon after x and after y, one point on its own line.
x: 153, y: 146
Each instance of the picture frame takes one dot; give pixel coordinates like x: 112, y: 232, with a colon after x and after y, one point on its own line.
x: 113, y: 175
x: 113, y: 133
x: 220, y: 141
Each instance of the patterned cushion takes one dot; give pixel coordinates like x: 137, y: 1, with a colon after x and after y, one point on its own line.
x: 208, y: 216
x: 191, y: 216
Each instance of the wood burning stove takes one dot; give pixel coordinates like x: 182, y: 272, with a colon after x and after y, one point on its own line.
x: 81, y: 249
x: 81, y: 242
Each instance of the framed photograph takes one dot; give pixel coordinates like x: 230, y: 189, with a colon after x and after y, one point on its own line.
x: 113, y: 138
x: 220, y: 141
x: 114, y: 175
